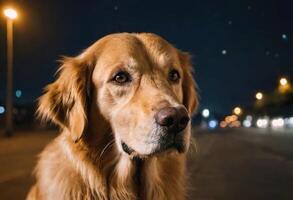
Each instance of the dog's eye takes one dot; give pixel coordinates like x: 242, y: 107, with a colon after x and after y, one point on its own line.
x: 122, y: 77
x: 174, y: 75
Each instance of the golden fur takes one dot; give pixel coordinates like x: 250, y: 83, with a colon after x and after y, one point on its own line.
x: 86, y: 160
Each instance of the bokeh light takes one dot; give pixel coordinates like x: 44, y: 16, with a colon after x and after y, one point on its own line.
x: 213, y: 123
x: 259, y: 96
x: 18, y: 93
x: 283, y: 81
x: 2, y: 110
x: 237, y: 111
x: 205, y: 113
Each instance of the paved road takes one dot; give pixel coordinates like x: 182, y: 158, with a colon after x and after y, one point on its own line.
x: 227, y: 165
x: 242, y: 165
x: 18, y: 156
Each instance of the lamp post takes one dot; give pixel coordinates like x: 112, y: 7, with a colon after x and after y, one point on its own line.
x: 10, y: 14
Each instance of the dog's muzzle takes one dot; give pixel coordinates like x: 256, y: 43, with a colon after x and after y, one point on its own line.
x: 171, y: 121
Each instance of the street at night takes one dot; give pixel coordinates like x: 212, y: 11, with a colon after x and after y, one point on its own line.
x: 228, y: 164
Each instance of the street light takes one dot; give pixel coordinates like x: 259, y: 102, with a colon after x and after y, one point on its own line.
x: 259, y: 96
x: 283, y: 81
x: 205, y: 113
x: 237, y: 111
x: 284, y: 85
x: 10, y: 14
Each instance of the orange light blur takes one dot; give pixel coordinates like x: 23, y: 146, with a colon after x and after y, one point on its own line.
x: 223, y: 124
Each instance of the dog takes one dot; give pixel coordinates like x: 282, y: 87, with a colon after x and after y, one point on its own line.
x: 123, y: 107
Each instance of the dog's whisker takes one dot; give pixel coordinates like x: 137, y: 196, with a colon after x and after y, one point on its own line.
x: 106, y: 147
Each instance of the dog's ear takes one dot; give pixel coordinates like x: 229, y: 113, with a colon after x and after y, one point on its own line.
x: 190, y: 98
x: 65, y: 101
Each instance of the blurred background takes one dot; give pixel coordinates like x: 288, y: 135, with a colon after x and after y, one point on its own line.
x: 242, y: 53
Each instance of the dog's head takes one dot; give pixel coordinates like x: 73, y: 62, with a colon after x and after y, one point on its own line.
x: 141, y: 86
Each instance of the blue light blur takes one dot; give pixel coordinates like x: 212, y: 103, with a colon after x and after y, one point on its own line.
x: 18, y: 93
x: 2, y: 109
x: 213, y: 124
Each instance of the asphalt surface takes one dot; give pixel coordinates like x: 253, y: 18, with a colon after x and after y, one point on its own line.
x: 242, y: 165
x: 239, y: 164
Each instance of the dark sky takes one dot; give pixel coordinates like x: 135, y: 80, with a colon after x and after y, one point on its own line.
x: 238, y: 47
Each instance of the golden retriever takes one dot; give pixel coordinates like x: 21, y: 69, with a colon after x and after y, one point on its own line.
x: 124, y: 108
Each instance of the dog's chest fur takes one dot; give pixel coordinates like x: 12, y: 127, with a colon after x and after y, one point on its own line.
x: 65, y: 172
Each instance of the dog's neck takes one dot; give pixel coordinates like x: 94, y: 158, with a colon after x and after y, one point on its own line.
x: 120, y: 177
x: 124, y: 177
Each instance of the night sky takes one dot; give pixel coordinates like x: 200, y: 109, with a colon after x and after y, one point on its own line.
x: 238, y: 47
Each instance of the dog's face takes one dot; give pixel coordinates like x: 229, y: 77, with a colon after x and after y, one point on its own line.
x: 143, y: 87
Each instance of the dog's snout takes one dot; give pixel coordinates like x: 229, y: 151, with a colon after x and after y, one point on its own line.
x: 172, y: 117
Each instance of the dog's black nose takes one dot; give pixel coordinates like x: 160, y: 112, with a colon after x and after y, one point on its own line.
x: 172, y: 118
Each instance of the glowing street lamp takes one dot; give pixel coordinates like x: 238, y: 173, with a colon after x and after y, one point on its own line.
x: 11, y: 15
x: 259, y: 96
x: 283, y: 81
x: 237, y: 111
x: 205, y: 113
x: 284, y: 85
